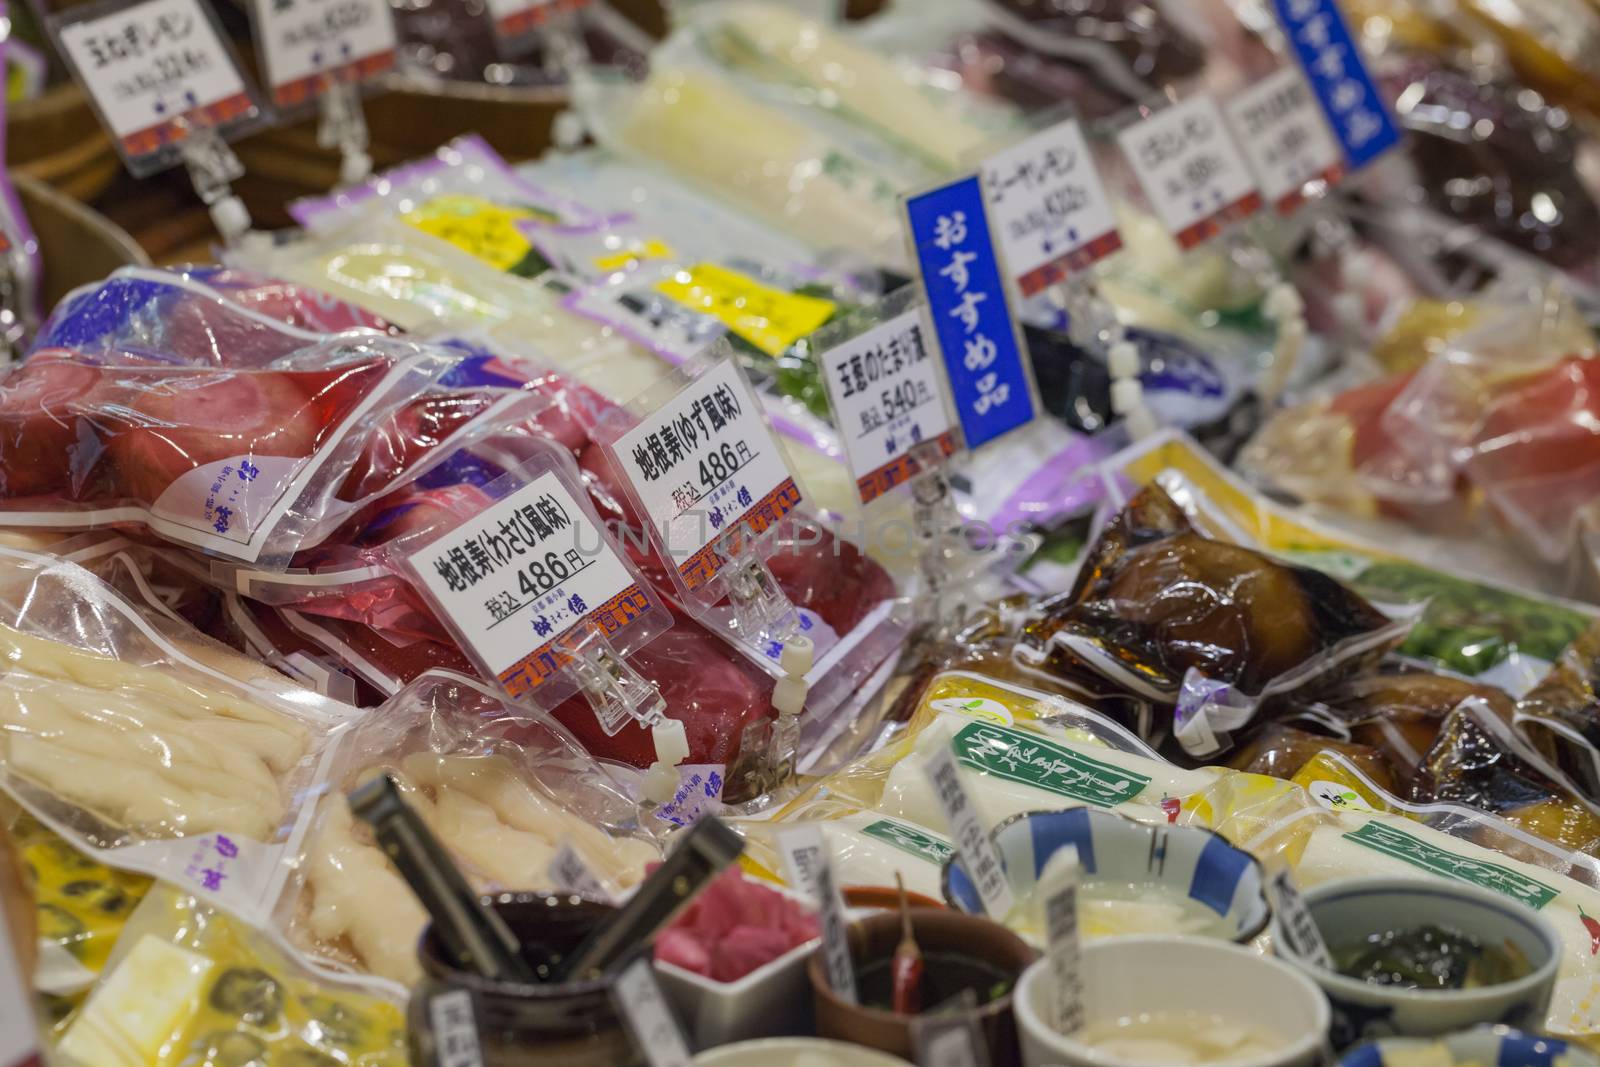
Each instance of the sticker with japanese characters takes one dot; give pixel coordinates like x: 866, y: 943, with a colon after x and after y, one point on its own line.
x: 155, y: 69
x: 990, y: 384
x: 514, y: 20
x: 514, y: 579
x: 453, y: 1020
x: 1190, y: 169
x: 708, y: 472
x: 1285, y: 138
x: 1049, y: 209
x: 699, y: 793
x: 888, y: 397
x: 1338, y: 74
x: 307, y: 46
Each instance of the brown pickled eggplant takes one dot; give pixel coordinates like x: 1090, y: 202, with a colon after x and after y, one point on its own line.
x: 1560, y: 717
x: 1137, y: 33
x: 1155, y: 597
x: 1280, y: 751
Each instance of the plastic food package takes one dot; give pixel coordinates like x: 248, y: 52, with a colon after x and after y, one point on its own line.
x: 189, y: 984
x: 1558, y: 715
x: 245, y: 463
x: 502, y: 791
x: 156, y: 749
x: 1163, y: 611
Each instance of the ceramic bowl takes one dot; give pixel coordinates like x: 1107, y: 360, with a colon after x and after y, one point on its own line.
x: 1350, y: 909
x: 1498, y: 1045
x: 1112, y: 847
x: 1129, y: 975
x: 795, y: 1052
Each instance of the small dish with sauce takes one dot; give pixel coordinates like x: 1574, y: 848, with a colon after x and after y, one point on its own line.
x: 1418, y: 958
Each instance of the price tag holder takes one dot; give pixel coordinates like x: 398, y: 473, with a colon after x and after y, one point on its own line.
x: 517, y: 21
x: 307, y: 47
x: 158, y: 73
x: 991, y: 383
x: 808, y: 868
x: 887, y: 392
x: 1284, y: 136
x: 702, y: 464
x: 655, y: 1031
x: 539, y: 596
x: 1339, y: 77
x: 1190, y: 170
x: 1295, y: 925
x: 1048, y: 208
x: 453, y: 1021
x: 977, y: 849
x: 1064, y: 951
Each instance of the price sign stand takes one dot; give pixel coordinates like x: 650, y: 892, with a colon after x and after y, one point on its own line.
x: 699, y: 461
x: 891, y: 403
x: 540, y: 597
x: 1200, y: 184
x: 168, y: 88
x: 342, y: 124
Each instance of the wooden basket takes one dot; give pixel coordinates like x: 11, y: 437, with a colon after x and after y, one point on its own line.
x: 78, y: 245
x: 57, y: 139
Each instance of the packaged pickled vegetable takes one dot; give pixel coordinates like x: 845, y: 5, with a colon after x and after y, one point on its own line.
x: 1162, y: 611
x: 503, y: 791
x: 190, y: 984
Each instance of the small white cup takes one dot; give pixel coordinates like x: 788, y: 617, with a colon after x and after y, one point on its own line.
x: 795, y: 1052
x: 1128, y: 975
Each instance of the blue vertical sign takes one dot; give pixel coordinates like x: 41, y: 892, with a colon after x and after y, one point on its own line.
x: 1338, y: 75
x: 967, y: 301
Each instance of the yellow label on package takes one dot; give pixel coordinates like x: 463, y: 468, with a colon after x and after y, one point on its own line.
x: 635, y: 252
x: 768, y: 318
x: 481, y: 228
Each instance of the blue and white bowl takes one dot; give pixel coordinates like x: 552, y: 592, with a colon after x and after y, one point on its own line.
x: 1351, y: 909
x: 1489, y: 1046
x: 1112, y: 847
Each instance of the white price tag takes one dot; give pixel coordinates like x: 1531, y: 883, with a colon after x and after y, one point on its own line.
x: 655, y: 1032
x: 800, y: 851
x: 517, y: 18
x: 705, y: 465
x: 888, y: 398
x: 455, y: 1030
x: 1061, y: 928
x: 1285, y: 136
x: 515, y: 578
x: 306, y: 45
x: 1048, y: 208
x: 153, y: 66
x: 977, y: 850
x: 572, y: 875
x: 1191, y: 170
x: 808, y: 869
x: 1295, y: 924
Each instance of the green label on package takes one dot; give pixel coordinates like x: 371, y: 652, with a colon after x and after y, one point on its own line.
x: 1031, y: 760
x: 1417, y: 852
x: 919, y: 843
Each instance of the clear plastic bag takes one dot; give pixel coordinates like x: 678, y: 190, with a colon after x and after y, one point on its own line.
x: 504, y: 792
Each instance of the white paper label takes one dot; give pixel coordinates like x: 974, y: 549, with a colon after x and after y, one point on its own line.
x: 947, y: 1043
x: 705, y: 465
x: 800, y: 851
x: 1285, y: 137
x: 699, y: 793
x: 19, y: 1027
x: 808, y: 868
x: 570, y: 874
x: 888, y: 398
x: 1190, y: 169
x: 655, y: 1031
x: 522, y: 574
x: 977, y: 850
x: 1061, y: 927
x: 152, y: 63
x: 1295, y: 923
x: 306, y: 44
x: 455, y: 1030
x: 1048, y: 208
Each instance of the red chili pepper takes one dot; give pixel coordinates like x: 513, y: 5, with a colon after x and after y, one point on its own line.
x: 905, y: 969
x: 1592, y: 925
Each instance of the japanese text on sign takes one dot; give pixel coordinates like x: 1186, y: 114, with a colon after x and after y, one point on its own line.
x: 1284, y: 136
x: 972, y: 321
x: 977, y: 851
x: 308, y: 44
x: 515, y: 18
x: 1190, y: 170
x: 152, y: 66
x: 1049, y: 209
x: 888, y: 398
x: 518, y: 576
x: 455, y: 1030
x: 1333, y: 64
x: 707, y: 468
x: 639, y: 999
